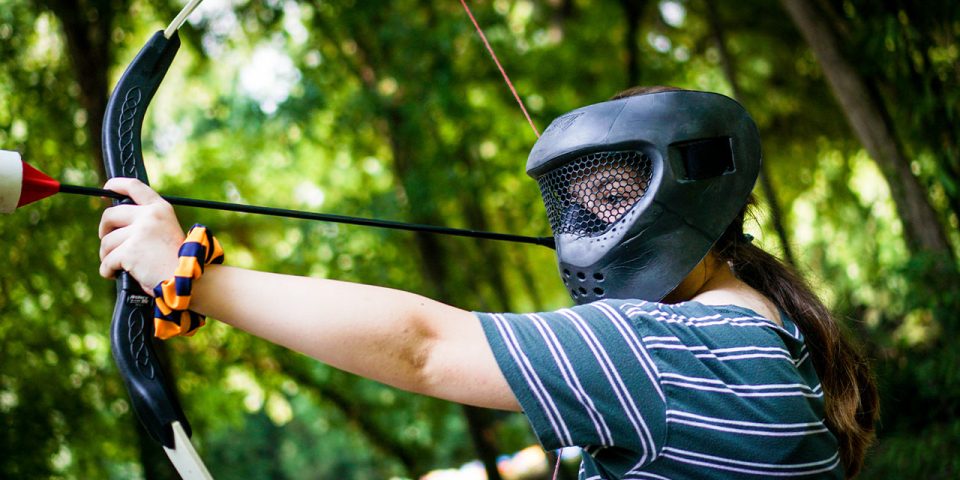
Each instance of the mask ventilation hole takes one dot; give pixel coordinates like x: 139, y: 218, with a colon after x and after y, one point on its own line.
x: 583, y: 284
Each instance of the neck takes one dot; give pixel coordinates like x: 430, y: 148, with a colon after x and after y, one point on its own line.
x: 718, y: 285
x: 724, y: 288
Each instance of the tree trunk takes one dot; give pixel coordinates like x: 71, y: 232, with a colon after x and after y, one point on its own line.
x: 872, y: 124
x: 632, y: 12
x: 434, y: 262
x: 394, y: 126
x: 730, y: 72
x: 86, y: 30
x: 940, y: 126
x: 484, y: 442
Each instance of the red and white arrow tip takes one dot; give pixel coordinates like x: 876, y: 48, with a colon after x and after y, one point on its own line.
x: 21, y: 184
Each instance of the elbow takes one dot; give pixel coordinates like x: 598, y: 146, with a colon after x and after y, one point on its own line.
x: 416, y: 362
x: 428, y: 359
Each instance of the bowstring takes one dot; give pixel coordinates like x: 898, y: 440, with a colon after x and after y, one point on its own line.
x: 506, y: 77
x: 523, y: 108
x: 180, y: 18
x: 556, y: 468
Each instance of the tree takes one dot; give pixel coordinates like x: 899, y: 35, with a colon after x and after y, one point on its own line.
x: 872, y: 123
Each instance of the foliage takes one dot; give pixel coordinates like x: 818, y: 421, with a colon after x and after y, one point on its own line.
x: 393, y: 110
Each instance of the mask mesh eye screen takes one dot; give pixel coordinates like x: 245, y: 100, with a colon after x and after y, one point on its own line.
x: 586, y: 196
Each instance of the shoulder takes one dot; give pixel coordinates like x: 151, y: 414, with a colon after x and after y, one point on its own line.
x: 688, y: 315
x: 708, y: 330
x: 648, y: 316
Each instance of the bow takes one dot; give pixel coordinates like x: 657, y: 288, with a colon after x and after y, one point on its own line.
x: 131, y: 330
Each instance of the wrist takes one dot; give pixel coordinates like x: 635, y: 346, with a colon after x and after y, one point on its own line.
x: 173, y: 315
x: 208, y: 290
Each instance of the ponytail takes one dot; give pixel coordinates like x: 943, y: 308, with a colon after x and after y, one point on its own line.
x: 850, y: 392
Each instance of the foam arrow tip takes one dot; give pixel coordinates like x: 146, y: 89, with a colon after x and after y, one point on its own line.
x: 21, y: 184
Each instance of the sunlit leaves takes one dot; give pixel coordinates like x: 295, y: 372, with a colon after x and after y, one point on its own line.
x: 394, y: 110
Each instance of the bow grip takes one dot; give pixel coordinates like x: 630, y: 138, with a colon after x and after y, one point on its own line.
x: 131, y: 332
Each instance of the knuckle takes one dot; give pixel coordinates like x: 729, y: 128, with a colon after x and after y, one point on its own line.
x: 155, y: 211
x: 161, y: 209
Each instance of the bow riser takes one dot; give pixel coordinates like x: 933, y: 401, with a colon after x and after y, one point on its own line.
x: 131, y: 331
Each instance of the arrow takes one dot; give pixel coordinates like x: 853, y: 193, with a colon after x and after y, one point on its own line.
x: 21, y: 184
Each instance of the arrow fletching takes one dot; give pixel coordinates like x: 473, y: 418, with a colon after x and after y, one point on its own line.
x: 36, y: 185
x: 21, y: 184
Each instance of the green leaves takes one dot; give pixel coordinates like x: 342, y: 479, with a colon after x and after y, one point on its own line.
x: 393, y: 110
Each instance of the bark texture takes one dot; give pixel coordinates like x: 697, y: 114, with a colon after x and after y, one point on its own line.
x: 632, y: 14
x: 872, y: 124
x: 766, y: 184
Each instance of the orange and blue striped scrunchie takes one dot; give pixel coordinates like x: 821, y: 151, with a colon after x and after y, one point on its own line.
x: 172, y: 317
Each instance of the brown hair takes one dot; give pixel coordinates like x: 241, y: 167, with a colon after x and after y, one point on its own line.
x: 850, y: 391
x: 643, y: 90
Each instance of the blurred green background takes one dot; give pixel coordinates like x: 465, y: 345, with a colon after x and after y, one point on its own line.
x: 394, y: 110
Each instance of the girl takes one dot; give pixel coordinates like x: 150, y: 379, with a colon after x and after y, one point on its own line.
x: 691, y: 353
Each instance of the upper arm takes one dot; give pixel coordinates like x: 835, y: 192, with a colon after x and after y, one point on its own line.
x: 460, y: 365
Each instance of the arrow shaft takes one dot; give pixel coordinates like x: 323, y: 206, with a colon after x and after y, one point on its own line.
x: 323, y: 217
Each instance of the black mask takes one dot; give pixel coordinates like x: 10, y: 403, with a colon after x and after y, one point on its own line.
x: 639, y: 189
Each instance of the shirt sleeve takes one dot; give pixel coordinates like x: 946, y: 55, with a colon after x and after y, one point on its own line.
x: 583, y: 378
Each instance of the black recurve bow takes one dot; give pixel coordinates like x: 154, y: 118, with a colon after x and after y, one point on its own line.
x: 153, y: 397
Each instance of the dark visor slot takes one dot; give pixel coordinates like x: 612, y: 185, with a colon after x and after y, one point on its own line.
x: 705, y: 158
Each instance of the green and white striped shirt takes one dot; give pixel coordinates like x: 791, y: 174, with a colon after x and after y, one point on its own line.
x: 655, y: 391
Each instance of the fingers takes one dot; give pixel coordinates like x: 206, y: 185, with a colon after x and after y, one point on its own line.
x: 112, y: 240
x: 142, y: 239
x: 139, y: 192
x: 111, y: 261
x: 116, y: 217
x: 121, y: 216
x: 110, y: 264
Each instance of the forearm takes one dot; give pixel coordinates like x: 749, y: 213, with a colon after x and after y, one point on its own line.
x: 371, y: 331
x: 391, y: 336
x: 395, y: 337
